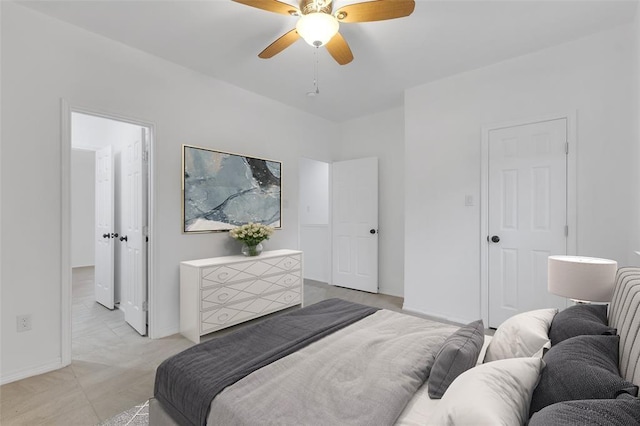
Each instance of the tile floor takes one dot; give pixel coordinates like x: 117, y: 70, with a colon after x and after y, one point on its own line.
x: 113, y: 367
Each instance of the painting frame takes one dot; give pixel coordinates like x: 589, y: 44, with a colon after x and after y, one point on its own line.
x: 222, y: 190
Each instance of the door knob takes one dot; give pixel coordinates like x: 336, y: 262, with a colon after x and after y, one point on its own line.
x: 114, y: 235
x: 495, y: 239
x: 106, y: 235
x: 124, y: 238
x: 372, y: 231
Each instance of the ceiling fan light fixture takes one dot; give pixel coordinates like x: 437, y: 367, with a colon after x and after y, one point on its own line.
x: 317, y: 28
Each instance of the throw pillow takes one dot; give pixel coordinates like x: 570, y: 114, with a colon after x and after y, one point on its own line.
x: 522, y: 335
x: 579, y: 320
x: 581, y: 367
x: 622, y: 411
x: 458, y: 354
x: 496, y: 393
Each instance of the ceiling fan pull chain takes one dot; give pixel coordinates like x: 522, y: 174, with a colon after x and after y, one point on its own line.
x: 315, y: 75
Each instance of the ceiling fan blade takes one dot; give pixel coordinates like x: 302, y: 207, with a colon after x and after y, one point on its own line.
x: 272, y: 6
x: 378, y: 10
x: 280, y: 44
x: 339, y: 49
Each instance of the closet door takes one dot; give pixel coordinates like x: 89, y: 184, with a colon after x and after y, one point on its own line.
x: 354, y: 223
x: 527, y: 215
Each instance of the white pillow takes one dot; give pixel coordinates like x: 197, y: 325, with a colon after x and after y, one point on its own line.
x: 522, y: 335
x: 497, y: 393
x: 483, y: 350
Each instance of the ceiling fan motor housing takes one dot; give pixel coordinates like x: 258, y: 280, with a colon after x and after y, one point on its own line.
x: 310, y: 6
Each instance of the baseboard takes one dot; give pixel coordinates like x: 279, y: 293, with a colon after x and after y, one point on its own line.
x: 318, y: 279
x: 437, y: 316
x: 159, y: 334
x: 388, y: 293
x: 32, y: 371
x: 82, y: 266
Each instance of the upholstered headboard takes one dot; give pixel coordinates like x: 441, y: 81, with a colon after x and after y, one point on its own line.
x: 624, y: 314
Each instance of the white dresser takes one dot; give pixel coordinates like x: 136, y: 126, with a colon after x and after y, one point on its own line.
x: 223, y: 291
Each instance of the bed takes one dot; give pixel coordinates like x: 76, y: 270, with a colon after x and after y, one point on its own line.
x: 341, y: 363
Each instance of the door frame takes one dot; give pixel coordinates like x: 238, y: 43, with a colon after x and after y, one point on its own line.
x: 67, y: 108
x: 484, y: 194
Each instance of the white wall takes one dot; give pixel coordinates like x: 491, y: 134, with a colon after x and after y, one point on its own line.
x: 382, y: 135
x: 314, y: 192
x: 82, y: 207
x: 45, y: 60
x: 314, y: 219
x: 592, y: 76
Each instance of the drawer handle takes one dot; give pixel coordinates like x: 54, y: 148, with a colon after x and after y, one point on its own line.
x: 287, y: 264
x: 287, y: 297
x: 288, y: 280
x: 223, y: 317
x: 223, y: 275
x: 223, y: 296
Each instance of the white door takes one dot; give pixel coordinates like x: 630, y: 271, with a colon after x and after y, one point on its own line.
x: 104, y: 234
x: 134, y: 286
x: 354, y: 224
x: 527, y: 215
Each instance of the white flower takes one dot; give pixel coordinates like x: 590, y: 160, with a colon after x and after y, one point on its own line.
x: 251, y: 233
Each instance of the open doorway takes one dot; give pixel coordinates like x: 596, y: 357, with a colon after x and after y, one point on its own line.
x: 118, y: 206
x: 315, y: 237
x: 97, y: 262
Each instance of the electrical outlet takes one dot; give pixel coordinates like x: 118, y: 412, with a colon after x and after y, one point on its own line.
x: 23, y: 322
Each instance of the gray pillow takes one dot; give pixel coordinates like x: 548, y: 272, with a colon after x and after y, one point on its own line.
x: 622, y: 411
x: 582, y: 367
x: 580, y: 320
x: 458, y: 354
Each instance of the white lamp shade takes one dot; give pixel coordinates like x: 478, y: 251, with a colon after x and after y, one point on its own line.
x: 317, y: 28
x: 582, y: 278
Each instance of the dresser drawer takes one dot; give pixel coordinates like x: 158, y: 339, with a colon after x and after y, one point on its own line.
x: 231, y: 293
x: 225, y: 316
x: 242, y: 271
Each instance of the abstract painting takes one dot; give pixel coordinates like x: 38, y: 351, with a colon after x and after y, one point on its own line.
x: 223, y: 190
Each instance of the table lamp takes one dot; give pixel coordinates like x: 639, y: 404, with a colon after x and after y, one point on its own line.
x: 582, y: 279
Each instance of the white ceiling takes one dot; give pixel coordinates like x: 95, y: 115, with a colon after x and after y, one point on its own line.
x: 222, y: 38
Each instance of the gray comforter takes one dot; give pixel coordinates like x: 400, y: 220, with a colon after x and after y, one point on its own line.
x: 361, y: 375
x: 187, y: 382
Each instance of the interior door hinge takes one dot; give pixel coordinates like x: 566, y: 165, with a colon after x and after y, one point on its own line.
x: 145, y: 306
x: 566, y: 230
x: 145, y: 156
x: 566, y: 148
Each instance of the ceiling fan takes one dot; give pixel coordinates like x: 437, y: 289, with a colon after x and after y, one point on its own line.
x: 318, y: 25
